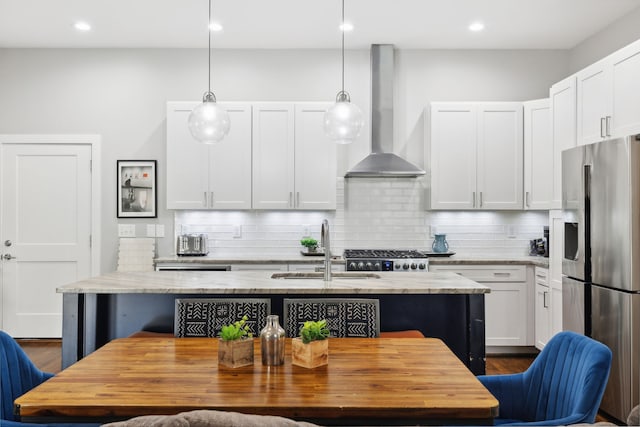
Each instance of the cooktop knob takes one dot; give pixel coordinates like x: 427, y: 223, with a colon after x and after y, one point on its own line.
x: 397, y: 266
x: 352, y: 265
x: 414, y: 266
x: 377, y: 266
x: 405, y: 266
x: 422, y: 266
x: 369, y: 266
x: 360, y: 265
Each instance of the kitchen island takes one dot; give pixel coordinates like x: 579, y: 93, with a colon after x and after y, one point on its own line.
x: 441, y: 305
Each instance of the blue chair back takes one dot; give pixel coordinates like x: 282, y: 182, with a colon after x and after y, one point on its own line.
x: 565, y: 382
x: 17, y: 375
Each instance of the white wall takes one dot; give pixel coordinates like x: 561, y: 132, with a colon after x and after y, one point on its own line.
x: 601, y: 44
x: 121, y: 95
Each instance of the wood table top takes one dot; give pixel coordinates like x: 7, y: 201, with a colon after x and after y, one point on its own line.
x: 387, y: 380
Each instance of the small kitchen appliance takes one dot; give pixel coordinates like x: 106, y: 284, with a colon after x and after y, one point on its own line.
x: 192, y: 244
x: 385, y: 260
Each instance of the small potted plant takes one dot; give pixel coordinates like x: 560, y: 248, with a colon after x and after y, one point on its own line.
x: 310, y: 243
x: 235, y: 347
x: 311, y: 348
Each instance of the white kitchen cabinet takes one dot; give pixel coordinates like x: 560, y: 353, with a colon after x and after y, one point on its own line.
x: 562, y: 96
x: 608, y: 97
x: 556, y: 249
x: 203, y: 176
x: 538, y: 155
x: 542, y: 308
x: 294, y: 164
x: 476, y: 155
x: 507, y: 312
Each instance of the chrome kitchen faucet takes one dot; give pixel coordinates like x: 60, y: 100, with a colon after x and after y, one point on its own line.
x: 326, y: 245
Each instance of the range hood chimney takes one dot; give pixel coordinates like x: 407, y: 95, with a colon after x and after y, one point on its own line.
x: 382, y: 163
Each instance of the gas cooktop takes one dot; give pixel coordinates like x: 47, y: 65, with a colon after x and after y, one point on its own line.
x: 385, y: 260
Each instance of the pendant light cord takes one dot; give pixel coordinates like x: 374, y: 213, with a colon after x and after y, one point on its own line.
x: 209, y: 31
x: 342, y: 45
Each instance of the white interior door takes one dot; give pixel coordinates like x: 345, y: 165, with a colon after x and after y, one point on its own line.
x: 45, y: 232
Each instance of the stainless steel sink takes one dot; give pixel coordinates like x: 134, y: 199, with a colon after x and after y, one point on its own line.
x: 311, y: 275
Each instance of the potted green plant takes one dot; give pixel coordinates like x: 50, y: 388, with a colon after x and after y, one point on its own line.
x: 310, y: 243
x: 235, y: 346
x: 311, y: 348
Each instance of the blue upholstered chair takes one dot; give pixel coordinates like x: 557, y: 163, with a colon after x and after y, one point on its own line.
x: 564, y: 384
x: 17, y: 376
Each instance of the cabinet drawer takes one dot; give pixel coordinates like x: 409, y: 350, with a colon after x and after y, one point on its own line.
x: 541, y: 276
x: 487, y: 273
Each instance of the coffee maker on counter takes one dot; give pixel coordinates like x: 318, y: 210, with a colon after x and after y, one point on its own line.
x: 540, y: 246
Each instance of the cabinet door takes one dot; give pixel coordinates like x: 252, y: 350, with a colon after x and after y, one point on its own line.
x: 453, y: 155
x: 273, y: 156
x: 542, y: 315
x: 625, y: 103
x: 506, y: 314
x: 315, y: 159
x: 230, y: 162
x: 593, y: 103
x: 538, y: 155
x: 500, y: 156
x: 563, y: 129
x: 187, y: 161
x: 556, y: 311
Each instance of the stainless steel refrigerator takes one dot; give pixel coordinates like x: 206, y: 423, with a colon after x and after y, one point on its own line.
x: 601, y: 260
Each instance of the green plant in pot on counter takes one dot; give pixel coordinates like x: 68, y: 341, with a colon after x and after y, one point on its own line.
x: 311, y: 348
x: 235, y: 347
x: 310, y: 243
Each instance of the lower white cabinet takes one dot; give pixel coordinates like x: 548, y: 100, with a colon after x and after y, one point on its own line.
x: 507, y: 313
x: 542, y: 307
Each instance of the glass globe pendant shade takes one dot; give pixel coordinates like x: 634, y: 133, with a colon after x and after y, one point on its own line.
x: 343, y: 121
x: 208, y: 122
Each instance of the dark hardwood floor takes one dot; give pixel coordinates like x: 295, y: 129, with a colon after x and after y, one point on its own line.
x: 46, y: 354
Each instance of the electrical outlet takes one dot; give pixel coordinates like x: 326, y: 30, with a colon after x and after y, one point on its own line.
x: 237, y: 231
x: 511, y: 231
x: 305, y: 230
x: 126, y: 230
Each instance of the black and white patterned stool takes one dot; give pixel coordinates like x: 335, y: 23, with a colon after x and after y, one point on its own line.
x: 345, y: 317
x: 205, y: 317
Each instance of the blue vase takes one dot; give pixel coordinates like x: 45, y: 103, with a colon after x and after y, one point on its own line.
x: 440, y: 244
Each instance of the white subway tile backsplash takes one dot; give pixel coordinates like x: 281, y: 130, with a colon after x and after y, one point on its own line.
x: 370, y: 213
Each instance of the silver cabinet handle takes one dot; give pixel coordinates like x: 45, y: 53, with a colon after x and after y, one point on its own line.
x: 602, y: 126
x: 290, y: 199
x: 608, y: 125
x: 211, y: 199
x: 474, y: 199
x: 481, y: 199
x: 526, y: 199
x: 544, y: 299
x: 497, y: 273
x: 297, y: 199
x: 206, y: 200
x: 8, y: 257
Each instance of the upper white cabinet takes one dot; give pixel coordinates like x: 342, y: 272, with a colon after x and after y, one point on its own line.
x: 202, y: 176
x: 538, y: 155
x: 562, y: 96
x: 608, y: 97
x: 476, y: 155
x: 294, y: 163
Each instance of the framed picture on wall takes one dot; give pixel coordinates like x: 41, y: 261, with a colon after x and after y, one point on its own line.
x: 137, y: 190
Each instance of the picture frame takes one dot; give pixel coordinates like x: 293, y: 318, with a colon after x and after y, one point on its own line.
x: 137, y: 189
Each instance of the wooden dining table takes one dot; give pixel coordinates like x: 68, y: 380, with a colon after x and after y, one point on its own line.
x: 384, y: 381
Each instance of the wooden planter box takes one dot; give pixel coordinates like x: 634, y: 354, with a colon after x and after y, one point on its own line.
x: 234, y: 354
x: 311, y: 355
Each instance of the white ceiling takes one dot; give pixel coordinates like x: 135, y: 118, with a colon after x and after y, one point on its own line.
x: 280, y: 24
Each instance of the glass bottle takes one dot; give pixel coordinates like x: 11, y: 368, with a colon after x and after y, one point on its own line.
x: 272, y: 342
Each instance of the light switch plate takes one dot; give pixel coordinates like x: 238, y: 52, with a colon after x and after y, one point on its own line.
x: 237, y: 231
x: 126, y: 230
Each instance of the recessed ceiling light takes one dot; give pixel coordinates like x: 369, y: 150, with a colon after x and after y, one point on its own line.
x: 215, y: 26
x: 476, y: 26
x: 346, y: 26
x: 82, y: 26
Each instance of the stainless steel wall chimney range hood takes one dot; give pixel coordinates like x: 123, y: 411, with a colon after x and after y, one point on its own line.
x: 382, y: 163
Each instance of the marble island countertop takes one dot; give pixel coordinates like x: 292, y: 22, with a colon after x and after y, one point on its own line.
x: 260, y: 282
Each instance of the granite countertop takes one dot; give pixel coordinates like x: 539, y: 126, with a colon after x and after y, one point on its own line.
x: 300, y: 259
x: 260, y: 282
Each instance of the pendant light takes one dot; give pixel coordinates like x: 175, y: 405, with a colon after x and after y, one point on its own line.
x: 343, y: 121
x: 208, y: 122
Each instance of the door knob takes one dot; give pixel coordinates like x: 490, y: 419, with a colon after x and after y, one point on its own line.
x: 8, y: 257
x: 7, y: 243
